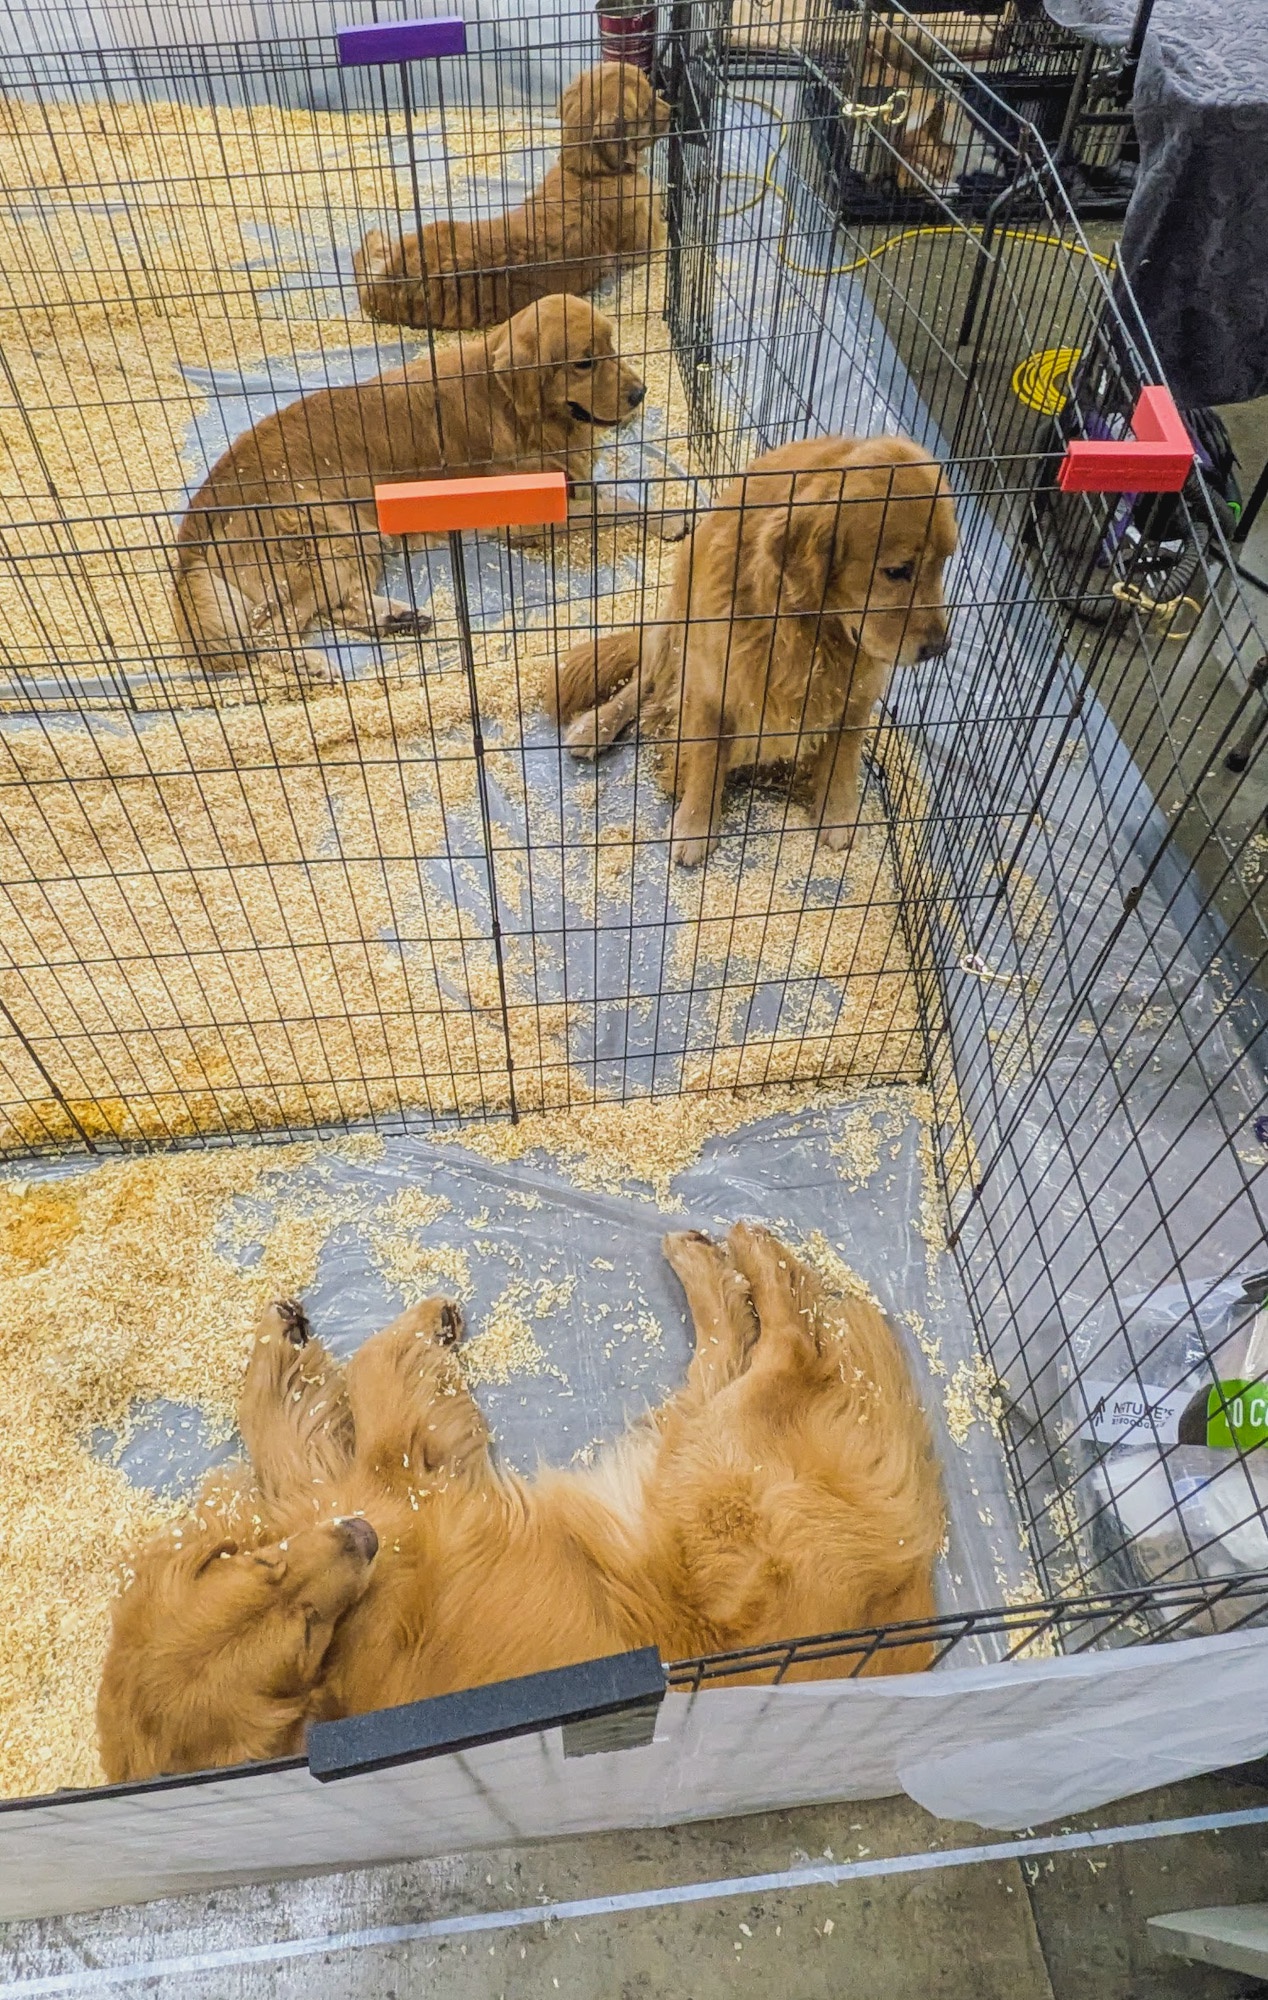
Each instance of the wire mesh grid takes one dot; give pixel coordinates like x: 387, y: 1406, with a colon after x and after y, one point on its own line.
x: 357, y: 877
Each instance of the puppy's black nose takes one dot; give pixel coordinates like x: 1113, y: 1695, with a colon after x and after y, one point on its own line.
x: 360, y: 1537
x: 933, y: 649
x: 634, y: 397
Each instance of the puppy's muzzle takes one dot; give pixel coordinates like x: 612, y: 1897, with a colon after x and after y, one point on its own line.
x: 635, y: 396
x: 360, y: 1537
x: 933, y: 649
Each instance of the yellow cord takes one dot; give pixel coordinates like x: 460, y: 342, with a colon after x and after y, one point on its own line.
x: 1159, y: 607
x: 766, y: 182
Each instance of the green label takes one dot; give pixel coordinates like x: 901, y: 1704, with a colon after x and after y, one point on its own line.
x: 1237, y: 1415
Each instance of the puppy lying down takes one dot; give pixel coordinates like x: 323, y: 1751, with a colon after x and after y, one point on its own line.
x: 594, y: 211
x: 282, y: 536
x: 373, y: 1553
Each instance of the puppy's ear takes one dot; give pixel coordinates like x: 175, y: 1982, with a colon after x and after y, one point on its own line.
x: 620, y: 121
x: 597, y: 112
x: 515, y: 352
x: 572, y: 113
x: 890, y: 485
x: 214, y: 1553
x: 797, y: 541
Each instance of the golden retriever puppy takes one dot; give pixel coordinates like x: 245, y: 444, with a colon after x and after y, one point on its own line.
x: 281, y: 534
x: 788, y: 1488
x: 593, y: 211
x: 221, y: 1630
x: 819, y: 571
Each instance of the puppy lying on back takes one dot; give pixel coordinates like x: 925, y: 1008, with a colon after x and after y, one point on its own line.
x: 281, y: 534
x: 787, y: 1489
x: 593, y: 211
x: 818, y: 571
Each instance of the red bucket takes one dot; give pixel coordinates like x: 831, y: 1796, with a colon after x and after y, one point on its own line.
x: 627, y: 33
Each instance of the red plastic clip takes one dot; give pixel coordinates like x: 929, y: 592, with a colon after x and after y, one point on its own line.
x: 1156, y: 458
x: 503, y: 500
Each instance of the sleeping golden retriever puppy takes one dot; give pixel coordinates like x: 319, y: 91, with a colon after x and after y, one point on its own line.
x: 819, y: 571
x: 593, y: 211
x: 230, y: 1609
x: 281, y: 534
x: 788, y: 1488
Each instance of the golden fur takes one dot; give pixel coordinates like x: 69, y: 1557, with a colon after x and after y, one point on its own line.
x: 593, y: 211
x: 818, y: 571
x: 281, y: 534
x: 788, y: 1488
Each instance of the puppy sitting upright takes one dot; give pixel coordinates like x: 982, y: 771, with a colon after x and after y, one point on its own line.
x: 593, y: 211
x: 819, y: 570
x: 282, y: 535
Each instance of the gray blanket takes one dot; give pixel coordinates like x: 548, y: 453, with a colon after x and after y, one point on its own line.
x: 1195, y: 240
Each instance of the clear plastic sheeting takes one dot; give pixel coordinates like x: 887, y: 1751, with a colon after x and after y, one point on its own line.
x: 1004, y: 1747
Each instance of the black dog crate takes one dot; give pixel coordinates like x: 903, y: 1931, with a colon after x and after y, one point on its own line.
x: 1027, y: 72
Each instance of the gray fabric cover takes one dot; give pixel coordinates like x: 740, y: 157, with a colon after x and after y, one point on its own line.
x: 1195, y: 240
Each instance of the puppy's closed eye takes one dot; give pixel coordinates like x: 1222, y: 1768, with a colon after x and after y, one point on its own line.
x: 587, y: 362
x: 902, y: 573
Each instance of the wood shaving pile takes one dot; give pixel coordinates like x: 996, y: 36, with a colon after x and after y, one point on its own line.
x: 609, y: 1148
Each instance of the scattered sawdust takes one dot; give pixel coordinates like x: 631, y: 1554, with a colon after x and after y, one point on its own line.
x: 879, y: 1117
x: 413, y: 1269
x: 970, y: 1397
x: 839, y: 1276
x: 506, y: 1345
x: 647, y: 1141
x: 930, y: 1344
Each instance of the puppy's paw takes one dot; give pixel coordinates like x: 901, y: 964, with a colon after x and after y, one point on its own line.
x: 435, y: 1319
x: 684, y: 1250
x: 583, y: 737
x: 286, y: 1322
x: 675, y: 527
x: 837, y: 839
x: 317, y: 670
x: 404, y: 622
x: 689, y: 851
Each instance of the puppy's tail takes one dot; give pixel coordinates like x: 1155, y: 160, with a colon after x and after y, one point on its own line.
x: 594, y: 670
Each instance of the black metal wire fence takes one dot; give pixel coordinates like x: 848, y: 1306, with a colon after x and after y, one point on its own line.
x: 353, y: 876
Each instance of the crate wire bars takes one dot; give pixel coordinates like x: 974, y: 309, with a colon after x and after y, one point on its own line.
x: 251, y: 909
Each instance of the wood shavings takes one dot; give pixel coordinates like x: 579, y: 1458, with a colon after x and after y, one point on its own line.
x: 116, y: 1294
x: 971, y: 1397
x: 839, y: 1276
x: 609, y: 1147
x: 506, y: 1345
x: 880, y: 1116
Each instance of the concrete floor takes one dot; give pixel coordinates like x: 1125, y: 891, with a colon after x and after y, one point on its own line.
x: 1071, y: 1927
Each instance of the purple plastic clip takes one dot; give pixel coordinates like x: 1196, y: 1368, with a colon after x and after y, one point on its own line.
x: 402, y: 41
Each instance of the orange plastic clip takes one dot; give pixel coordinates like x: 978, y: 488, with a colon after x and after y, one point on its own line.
x: 504, y: 500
